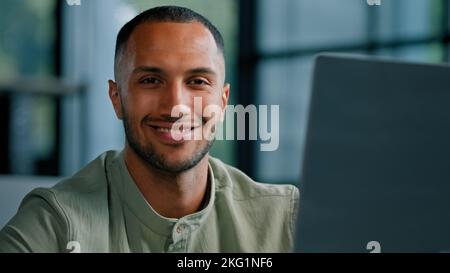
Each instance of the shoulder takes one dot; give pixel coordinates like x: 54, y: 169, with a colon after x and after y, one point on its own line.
x: 75, y: 209
x: 245, y: 188
x: 86, y: 190
x: 259, y: 210
x: 90, y: 179
x: 81, y: 198
x: 38, y: 226
x: 49, y: 218
x: 269, y: 201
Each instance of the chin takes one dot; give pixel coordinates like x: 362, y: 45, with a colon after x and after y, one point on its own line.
x: 176, y: 164
x: 177, y: 156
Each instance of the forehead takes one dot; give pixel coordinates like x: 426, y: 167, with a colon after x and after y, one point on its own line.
x: 168, y: 42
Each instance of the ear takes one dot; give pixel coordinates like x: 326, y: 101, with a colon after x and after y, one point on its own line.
x: 225, y: 97
x: 115, y: 98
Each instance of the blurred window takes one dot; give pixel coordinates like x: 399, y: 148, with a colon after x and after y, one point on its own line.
x: 28, y: 53
x: 289, y: 33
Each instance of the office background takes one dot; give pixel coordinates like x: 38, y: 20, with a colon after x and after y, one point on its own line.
x: 55, y: 60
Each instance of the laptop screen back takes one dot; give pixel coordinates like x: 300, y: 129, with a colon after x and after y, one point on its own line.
x: 376, y: 168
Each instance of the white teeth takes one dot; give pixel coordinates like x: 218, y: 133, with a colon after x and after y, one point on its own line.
x: 165, y: 130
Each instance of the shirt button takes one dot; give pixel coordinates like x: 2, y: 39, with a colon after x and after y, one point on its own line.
x: 180, y: 229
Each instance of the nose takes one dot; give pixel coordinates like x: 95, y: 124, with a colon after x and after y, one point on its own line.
x: 172, y: 96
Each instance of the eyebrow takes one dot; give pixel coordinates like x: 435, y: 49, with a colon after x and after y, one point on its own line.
x: 150, y: 69
x: 202, y: 70
x: 157, y: 70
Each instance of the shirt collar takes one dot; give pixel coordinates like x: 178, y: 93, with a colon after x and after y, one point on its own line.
x: 134, y: 199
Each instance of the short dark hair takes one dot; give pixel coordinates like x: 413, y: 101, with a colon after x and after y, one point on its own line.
x: 164, y: 14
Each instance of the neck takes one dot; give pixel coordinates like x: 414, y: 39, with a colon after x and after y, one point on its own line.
x: 171, y: 195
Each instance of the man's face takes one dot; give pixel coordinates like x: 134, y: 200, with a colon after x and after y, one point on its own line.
x: 168, y: 64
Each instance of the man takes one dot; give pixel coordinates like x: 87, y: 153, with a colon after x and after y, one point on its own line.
x: 163, y: 192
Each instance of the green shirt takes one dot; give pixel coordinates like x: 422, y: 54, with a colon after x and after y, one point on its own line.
x: 100, y: 209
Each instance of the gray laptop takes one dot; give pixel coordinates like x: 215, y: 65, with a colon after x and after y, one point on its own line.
x: 376, y: 168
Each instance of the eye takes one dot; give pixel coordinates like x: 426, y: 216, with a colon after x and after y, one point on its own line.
x: 150, y: 80
x: 198, y: 82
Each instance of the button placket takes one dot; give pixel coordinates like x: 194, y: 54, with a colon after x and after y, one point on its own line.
x: 179, y: 230
x: 179, y: 237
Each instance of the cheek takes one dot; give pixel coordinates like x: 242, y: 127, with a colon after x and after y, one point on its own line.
x: 139, y: 106
x: 211, y: 107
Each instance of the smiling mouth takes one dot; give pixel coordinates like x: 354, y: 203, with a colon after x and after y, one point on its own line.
x: 168, y: 130
x: 175, y: 134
